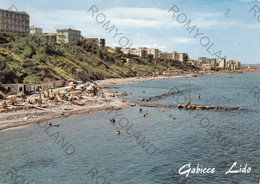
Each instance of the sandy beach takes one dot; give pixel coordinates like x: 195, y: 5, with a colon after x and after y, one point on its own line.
x: 23, y: 115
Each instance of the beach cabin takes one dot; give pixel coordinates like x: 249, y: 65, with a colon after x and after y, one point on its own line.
x: 58, y: 84
x: 14, y: 88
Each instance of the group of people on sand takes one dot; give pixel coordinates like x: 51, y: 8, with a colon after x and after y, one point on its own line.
x: 4, y: 105
x: 49, y: 95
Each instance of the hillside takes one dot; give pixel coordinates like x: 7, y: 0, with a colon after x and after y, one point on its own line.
x: 29, y: 59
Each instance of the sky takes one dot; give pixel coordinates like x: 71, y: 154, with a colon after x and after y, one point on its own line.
x: 224, y: 28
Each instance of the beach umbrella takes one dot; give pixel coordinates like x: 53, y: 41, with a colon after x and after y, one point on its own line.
x: 19, y: 94
x: 64, y: 92
x: 82, y: 85
x: 11, y: 96
x: 35, y: 95
x: 68, y: 87
x: 78, y: 87
x: 79, y: 82
x: 90, y: 88
x: 72, y: 92
x: 78, y: 91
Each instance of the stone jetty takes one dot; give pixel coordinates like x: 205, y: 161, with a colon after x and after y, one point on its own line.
x: 193, y: 107
x: 159, y: 96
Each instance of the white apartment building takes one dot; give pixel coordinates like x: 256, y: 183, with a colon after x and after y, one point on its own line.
x: 92, y: 40
x: 154, y: 52
x: 36, y: 31
x: 141, y: 52
x: 68, y: 35
x: 175, y: 56
x: 222, y: 63
x: 126, y: 50
x: 208, y: 63
x: 233, y: 65
x: 183, y: 57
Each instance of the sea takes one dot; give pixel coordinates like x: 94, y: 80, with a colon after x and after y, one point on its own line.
x: 156, y: 145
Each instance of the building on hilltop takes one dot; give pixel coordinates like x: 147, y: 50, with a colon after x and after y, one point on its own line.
x: 195, y: 63
x: 51, y: 37
x: 118, y: 49
x: 154, y: 52
x: 102, y: 42
x: 183, y: 57
x: 163, y: 56
x: 174, y: 56
x: 99, y: 42
x: 222, y: 63
x: 92, y: 40
x: 36, y: 31
x: 141, y: 52
x: 125, y: 50
x: 169, y: 56
x: 233, y: 65
x: 14, y: 21
x: 68, y: 35
x: 208, y: 63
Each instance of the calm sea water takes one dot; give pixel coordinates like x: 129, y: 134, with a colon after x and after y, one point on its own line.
x: 151, y: 149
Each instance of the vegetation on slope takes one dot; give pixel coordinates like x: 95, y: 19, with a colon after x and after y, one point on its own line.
x: 30, y: 59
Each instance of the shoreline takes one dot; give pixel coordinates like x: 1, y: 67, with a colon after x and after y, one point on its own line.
x: 38, y: 115
x: 93, y: 104
x: 118, y: 81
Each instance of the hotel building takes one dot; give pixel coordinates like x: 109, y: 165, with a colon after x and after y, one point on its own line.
x: 208, y: 63
x: 68, y: 35
x: 14, y: 21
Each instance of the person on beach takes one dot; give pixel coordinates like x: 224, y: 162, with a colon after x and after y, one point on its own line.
x: 4, y: 105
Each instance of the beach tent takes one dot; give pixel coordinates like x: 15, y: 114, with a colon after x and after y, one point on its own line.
x: 89, y: 88
x: 19, y: 94
x: 64, y: 92
x: 78, y: 91
x: 68, y: 87
x: 35, y: 95
x: 78, y: 87
x: 11, y: 96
